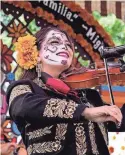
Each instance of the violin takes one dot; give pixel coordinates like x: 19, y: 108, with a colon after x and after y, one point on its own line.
x: 91, y: 78
x: 95, y: 77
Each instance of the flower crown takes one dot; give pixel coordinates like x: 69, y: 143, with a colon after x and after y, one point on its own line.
x: 27, y: 53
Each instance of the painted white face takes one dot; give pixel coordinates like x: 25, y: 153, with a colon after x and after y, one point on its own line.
x: 56, y: 50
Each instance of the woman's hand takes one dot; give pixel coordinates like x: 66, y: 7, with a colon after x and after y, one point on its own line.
x: 103, y: 114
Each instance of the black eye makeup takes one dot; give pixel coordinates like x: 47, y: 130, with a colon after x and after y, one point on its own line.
x: 69, y: 45
x: 55, y: 41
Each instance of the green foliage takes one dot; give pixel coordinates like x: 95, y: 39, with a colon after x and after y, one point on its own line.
x: 18, y: 73
x: 114, y: 26
x: 6, y: 40
x: 33, y: 27
x: 21, y: 18
x: 83, y: 62
x: 5, y: 18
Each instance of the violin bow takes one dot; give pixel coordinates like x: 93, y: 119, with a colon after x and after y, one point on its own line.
x: 109, y: 86
x: 109, y: 82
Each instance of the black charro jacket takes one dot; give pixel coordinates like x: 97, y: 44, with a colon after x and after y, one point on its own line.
x: 51, y: 123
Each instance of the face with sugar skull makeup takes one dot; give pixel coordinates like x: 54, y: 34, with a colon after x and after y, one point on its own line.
x: 56, y: 50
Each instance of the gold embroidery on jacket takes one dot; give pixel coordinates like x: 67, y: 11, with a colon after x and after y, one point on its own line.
x: 81, y: 146
x: 92, y: 138
x: 44, y: 147
x: 61, y: 130
x: 60, y: 108
x: 29, y: 149
x: 104, y: 132
x: 50, y: 146
x: 19, y: 90
x: 40, y: 83
x: 39, y: 132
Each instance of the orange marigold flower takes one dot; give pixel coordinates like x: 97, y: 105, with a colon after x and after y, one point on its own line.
x: 55, y: 22
x: 39, y: 11
x: 62, y: 25
x: 79, y: 37
x: 27, y: 52
x: 74, y: 35
x: 16, y: 3
x: 21, y: 4
x: 28, y: 6
x: 50, y: 18
x: 45, y: 15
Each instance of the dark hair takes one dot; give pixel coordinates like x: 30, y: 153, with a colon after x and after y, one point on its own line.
x: 40, y: 36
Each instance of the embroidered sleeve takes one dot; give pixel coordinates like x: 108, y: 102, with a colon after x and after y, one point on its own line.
x: 60, y: 108
x: 32, y: 104
x: 56, y: 108
x: 18, y: 90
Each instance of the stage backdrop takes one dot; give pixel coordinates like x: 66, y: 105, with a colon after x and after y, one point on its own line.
x: 21, y: 17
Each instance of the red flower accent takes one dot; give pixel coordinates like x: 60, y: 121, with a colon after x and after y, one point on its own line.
x: 111, y: 149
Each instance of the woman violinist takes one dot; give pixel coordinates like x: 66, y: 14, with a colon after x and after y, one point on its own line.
x: 52, y: 117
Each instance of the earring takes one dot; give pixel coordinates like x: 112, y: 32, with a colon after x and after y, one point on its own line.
x: 38, y: 69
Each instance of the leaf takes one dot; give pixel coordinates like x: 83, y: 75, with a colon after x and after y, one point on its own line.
x: 84, y: 63
x: 114, y: 26
x: 96, y: 15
